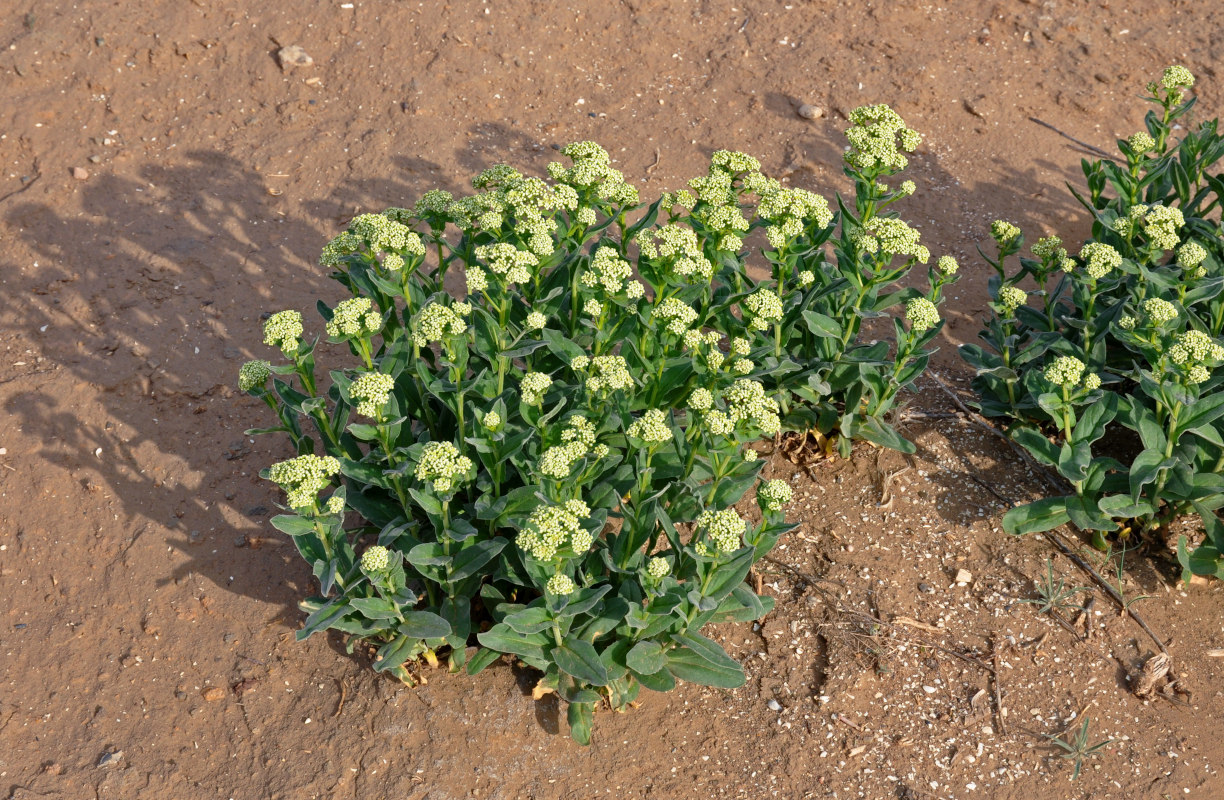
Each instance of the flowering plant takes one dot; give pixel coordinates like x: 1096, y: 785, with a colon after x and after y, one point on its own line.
x: 1126, y: 336
x: 550, y: 466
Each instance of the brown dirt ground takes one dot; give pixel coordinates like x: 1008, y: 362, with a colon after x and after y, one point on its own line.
x: 148, y: 607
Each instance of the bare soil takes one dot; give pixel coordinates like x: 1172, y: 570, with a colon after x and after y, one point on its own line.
x: 166, y: 181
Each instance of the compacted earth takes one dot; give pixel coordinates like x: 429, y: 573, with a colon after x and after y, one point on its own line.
x: 166, y: 178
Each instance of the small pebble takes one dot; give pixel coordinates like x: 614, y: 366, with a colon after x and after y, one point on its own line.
x: 774, y: 705
x: 95, y: 159
x: 926, y: 588
x: 808, y: 111
x: 80, y: 173
x: 212, y: 694
x: 110, y: 759
x: 964, y: 576
x: 293, y: 56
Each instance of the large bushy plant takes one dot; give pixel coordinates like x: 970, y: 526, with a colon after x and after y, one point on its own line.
x: 1126, y: 337
x: 550, y: 466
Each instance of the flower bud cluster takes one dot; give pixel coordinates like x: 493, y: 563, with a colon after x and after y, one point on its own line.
x: 1190, y: 256
x: 553, y: 529
x: 304, y: 477
x: 765, y: 308
x: 874, y: 135
x: 1161, y: 224
x: 1003, y: 231
x: 678, y: 246
x: 253, y: 375
x: 434, y: 323
x: 532, y: 387
x: 375, y: 559
x: 560, y: 585
x: 1159, y: 310
x: 658, y: 568
x: 1050, y: 250
x: 353, y: 317
x: 652, y: 427
x: 1011, y: 298
x: 507, y: 261
x: 284, y: 330
x: 1140, y: 143
x: 922, y: 314
x: 441, y: 465
x: 724, y: 528
x: 1196, y: 353
x: 1065, y: 371
x: 676, y: 314
x: 747, y: 402
x: 774, y: 495
x: 890, y: 236
x: 608, y: 271
x: 606, y: 373
x: 371, y: 391
x: 947, y: 265
x: 334, y: 251
x: 1100, y: 259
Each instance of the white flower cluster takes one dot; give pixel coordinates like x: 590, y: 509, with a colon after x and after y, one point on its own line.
x: 890, y: 236
x: 353, y: 317
x: 678, y: 246
x: 608, y: 271
x: 1197, y: 353
x: 384, y: 235
x: 508, y: 262
x: 725, y: 528
x: 253, y: 374
x: 874, y: 134
x: 1176, y: 77
x: 441, y: 464
x: 676, y: 314
x: 532, y: 387
x: 606, y: 373
x: 765, y: 308
x: 375, y: 559
x: 747, y: 402
x: 1159, y: 310
x: 1010, y: 298
x: 492, y: 421
x: 774, y: 494
x: 557, y: 462
x: 592, y: 169
x: 701, y: 400
x: 1161, y: 224
x: 651, y: 427
x: 658, y: 568
x: 304, y: 477
x: 788, y: 211
x: 1003, y: 231
x: 947, y: 265
x: 1100, y: 259
x: 551, y: 529
x: 434, y: 322
x: 560, y: 585
x: 1141, y: 142
x: 334, y: 251
x: 1065, y: 371
x: 284, y: 330
x: 536, y: 321
x: 1190, y: 256
x: 371, y: 391
x: 433, y: 204
x: 922, y: 314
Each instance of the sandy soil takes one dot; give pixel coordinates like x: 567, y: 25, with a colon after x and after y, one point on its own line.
x: 165, y: 182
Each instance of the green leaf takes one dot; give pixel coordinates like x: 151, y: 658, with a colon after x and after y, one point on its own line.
x: 1145, y: 469
x: 661, y: 681
x: 294, y: 525
x: 646, y: 658
x: 424, y: 625
x: 1205, y: 411
x: 483, y: 658
x: 1122, y: 507
x: 822, y: 325
x: 1036, y: 444
x: 396, y: 652
x: 580, y: 716
x: 472, y: 558
x: 530, y: 620
x: 700, y: 660
x: 580, y: 659
x: 503, y: 639
x: 322, y: 617
x: 1042, y: 515
x: 429, y: 554
x: 730, y: 574
x: 375, y: 607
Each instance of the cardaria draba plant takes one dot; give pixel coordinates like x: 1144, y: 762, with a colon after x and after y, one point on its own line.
x: 1123, y: 335
x: 549, y: 467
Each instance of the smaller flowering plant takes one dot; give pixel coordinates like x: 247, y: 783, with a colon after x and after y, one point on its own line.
x: 549, y: 466
x: 1125, y: 341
